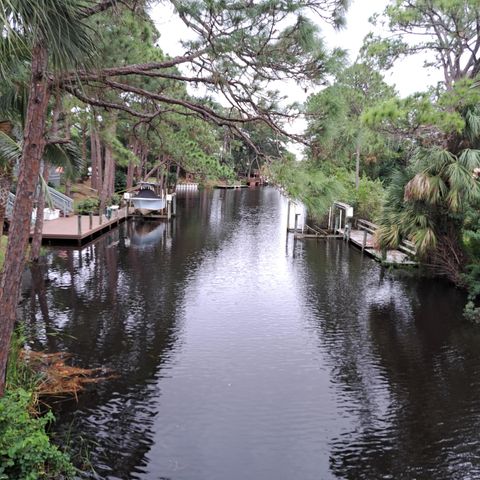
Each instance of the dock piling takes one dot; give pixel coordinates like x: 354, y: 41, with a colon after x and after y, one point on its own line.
x: 296, y: 221
x: 364, y: 241
x: 90, y: 220
x: 288, y: 215
x: 79, y: 218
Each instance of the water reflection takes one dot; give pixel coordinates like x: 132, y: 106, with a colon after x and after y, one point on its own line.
x: 238, y: 358
x: 404, y: 368
x: 146, y: 233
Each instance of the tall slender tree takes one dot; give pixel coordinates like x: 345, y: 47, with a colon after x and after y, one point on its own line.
x: 51, y: 30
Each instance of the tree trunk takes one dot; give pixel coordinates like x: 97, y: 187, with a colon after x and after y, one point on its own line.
x: 84, y: 144
x: 357, y: 166
x: 111, y: 171
x: 5, y: 184
x: 96, y: 158
x: 165, y: 178
x: 160, y: 181
x: 107, y: 187
x: 131, y: 168
x: 68, y: 187
x: 33, y: 147
x: 38, y: 230
x: 131, y: 164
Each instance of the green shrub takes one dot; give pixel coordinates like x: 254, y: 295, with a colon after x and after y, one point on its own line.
x: 120, y: 180
x: 88, y: 205
x: 368, y: 199
x: 26, y: 452
x: 115, y: 200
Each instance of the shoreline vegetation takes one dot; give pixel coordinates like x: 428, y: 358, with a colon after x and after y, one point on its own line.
x: 27, y: 450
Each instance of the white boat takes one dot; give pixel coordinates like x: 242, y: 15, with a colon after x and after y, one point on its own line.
x: 147, y: 199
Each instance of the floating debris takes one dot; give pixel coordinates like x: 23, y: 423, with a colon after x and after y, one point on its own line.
x: 59, y: 379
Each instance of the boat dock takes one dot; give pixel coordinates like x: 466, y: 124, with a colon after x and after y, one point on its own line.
x: 362, y: 236
x: 80, y: 228
x: 358, y: 232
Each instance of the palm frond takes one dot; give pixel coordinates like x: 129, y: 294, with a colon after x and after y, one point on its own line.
x: 10, y: 150
x: 56, y: 23
x: 433, y: 160
x: 424, y: 240
x: 67, y: 156
x: 438, y: 190
x: 418, y: 188
x: 458, y: 176
x: 472, y: 123
x: 470, y: 159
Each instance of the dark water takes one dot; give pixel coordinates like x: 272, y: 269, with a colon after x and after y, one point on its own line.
x: 239, y: 358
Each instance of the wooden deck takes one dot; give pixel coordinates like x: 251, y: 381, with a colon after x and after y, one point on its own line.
x: 362, y: 237
x: 79, y: 229
x: 392, y: 257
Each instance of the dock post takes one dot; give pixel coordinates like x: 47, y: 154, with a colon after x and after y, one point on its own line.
x: 91, y: 220
x: 288, y: 215
x: 174, y: 205
x: 296, y: 221
x: 330, y: 218
x: 364, y: 243
x: 100, y: 217
x: 169, y: 209
x: 79, y: 217
x: 340, y: 220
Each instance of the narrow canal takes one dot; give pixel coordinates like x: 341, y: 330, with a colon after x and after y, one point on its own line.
x: 240, y: 358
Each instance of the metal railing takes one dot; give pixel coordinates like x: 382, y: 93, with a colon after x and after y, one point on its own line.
x: 10, y: 202
x: 58, y: 199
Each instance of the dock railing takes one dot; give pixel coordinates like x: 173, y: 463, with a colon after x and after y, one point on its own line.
x: 316, y: 230
x: 405, y: 246
x: 10, y: 203
x: 367, y: 228
x: 59, y: 200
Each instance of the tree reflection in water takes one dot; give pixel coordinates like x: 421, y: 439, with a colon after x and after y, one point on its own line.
x: 404, y: 368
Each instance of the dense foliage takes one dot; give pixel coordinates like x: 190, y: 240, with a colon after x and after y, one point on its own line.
x: 26, y: 451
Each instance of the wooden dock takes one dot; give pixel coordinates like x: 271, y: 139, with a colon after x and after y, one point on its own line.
x: 362, y: 237
x: 364, y: 240
x: 80, y: 228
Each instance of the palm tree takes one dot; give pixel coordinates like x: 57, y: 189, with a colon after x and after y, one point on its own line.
x: 50, y: 34
x: 427, y: 203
